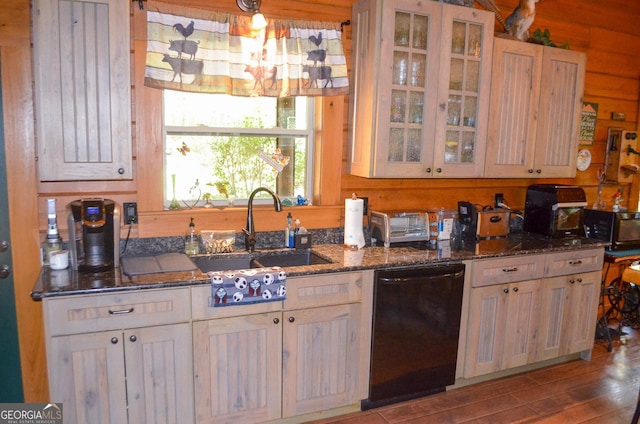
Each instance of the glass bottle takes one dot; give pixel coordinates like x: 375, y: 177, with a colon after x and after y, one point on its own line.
x: 53, y: 241
x: 191, y: 244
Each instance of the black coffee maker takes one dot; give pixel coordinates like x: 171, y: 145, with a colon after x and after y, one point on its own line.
x: 94, y: 234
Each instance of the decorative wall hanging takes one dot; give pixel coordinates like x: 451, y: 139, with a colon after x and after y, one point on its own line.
x: 211, y: 52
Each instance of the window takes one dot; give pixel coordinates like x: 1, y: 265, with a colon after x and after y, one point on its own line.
x: 219, y: 148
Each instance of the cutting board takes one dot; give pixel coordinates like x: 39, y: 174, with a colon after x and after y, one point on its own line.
x: 168, y: 262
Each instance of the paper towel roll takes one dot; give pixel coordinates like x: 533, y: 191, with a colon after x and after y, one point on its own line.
x: 353, y: 233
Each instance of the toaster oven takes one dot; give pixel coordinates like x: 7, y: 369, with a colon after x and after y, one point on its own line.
x: 394, y: 227
x: 620, y: 229
x: 555, y: 210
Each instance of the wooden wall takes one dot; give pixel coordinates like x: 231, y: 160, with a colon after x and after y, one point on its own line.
x: 606, y: 31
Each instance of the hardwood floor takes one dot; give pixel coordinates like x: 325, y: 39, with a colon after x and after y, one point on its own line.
x: 603, y: 390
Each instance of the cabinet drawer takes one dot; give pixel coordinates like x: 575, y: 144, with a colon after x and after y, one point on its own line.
x: 323, y: 290
x: 201, y: 308
x: 87, y: 314
x: 574, y: 261
x: 506, y: 270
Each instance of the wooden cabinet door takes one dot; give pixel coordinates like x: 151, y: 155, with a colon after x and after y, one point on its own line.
x: 395, y: 59
x: 554, y: 313
x: 560, y: 112
x: 513, y: 110
x: 83, y: 89
x: 238, y: 369
x: 583, y: 315
x: 87, y: 374
x: 487, y: 328
x: 464, y: 82
x: 159, y: 374
x: 569, y: 314
x: 522, y: 323
x: 320, y: 358
x: 503, y: 321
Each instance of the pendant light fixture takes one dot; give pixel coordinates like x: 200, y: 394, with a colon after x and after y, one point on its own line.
x: 257, y: 20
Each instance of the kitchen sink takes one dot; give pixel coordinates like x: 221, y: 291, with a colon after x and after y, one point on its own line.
x: 290, y: 258
x: 208, y: 263
x: 281, y: 258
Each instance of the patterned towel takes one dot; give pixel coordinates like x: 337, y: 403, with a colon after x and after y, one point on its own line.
x: 247, y: 286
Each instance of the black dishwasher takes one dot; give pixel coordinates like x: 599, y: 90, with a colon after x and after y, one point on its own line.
x: 416, y: 324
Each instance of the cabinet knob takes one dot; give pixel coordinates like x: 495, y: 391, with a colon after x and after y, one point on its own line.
x: 572, y: 281
x: 276, y: 320
x: 120, y: 171
x: 538, y: 171
x: 530, y: 171
x: 4, y: 246
x: 5, y: 271
x: 133, y: 338
x: 579, y: 280
x: 114, y: 340
x: 515, y: 289
x: 291, y: 319
x: 506, y: 291
x: 428, y: 170
x: 438, y: 170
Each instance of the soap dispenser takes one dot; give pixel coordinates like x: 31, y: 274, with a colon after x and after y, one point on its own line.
x: 191, y: 245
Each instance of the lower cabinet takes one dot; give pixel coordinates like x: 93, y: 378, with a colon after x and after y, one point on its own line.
x: 295, y: 357
x: 504, y: 333
x: 515, y: 321
x: 136, y: 372
x: 569, y: 314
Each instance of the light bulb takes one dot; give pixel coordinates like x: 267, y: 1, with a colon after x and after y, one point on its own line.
x: 258, y: 21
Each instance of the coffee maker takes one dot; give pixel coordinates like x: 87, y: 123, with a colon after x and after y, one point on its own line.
x: 94, y: 234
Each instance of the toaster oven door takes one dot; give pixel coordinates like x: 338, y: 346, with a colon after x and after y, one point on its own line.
x: 568, y: 221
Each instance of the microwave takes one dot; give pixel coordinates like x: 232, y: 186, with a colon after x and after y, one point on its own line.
x: 620, y: 229
x: 555, y: 210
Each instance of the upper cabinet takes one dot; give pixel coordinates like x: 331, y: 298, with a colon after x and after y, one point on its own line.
x: 534, y: 118
x: 421, y: 75
x: 83, y: 89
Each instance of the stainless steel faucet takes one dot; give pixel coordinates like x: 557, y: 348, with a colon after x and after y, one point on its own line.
x: 249, y: 232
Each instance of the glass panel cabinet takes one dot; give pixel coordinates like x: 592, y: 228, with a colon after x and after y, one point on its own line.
x: 421, y: 83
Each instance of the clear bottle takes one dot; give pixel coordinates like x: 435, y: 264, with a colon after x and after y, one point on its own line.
x: 191, y: 243
x: 53, y: 241
x: 288, y: 232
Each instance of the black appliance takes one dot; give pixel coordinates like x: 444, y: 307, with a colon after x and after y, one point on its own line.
x: 416, y: 326
x: 620, y: 229
x: 94, y: 234
x: 555, y: 210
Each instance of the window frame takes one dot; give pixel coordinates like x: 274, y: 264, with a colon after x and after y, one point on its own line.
x: 308, y: 133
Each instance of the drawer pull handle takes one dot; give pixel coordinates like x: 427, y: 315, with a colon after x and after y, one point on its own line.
x: 291, y: 319
x: 506, y: 291
x: 276, y: 320
x: 578, y: 262
x: 515, y: 289
x: 133, y: 338
x: 121, y: 311
x: 114, y: 340
x: 512, y: 269
x: 579, y: 280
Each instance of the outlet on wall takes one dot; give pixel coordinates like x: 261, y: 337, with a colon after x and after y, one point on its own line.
x: 499, y: 200
x: 130, y: 213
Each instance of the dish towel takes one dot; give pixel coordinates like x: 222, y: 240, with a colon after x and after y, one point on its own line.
x: 247, y: 286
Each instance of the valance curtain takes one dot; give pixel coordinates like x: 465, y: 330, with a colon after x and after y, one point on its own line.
x: 212, y: 52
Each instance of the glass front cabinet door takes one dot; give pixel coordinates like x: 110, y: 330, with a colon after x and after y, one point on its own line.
x: 421, y: 72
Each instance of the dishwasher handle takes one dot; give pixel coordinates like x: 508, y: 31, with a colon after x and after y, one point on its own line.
x: 401, y: 279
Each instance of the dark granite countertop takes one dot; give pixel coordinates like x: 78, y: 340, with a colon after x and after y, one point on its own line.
x: 68, y: 282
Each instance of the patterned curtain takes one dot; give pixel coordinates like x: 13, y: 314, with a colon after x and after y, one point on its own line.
x: 212, y: 52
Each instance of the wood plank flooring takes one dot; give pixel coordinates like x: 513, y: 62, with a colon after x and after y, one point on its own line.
x: 603, y: 390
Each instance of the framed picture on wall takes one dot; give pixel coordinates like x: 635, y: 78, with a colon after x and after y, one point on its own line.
x: 588, y: 123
